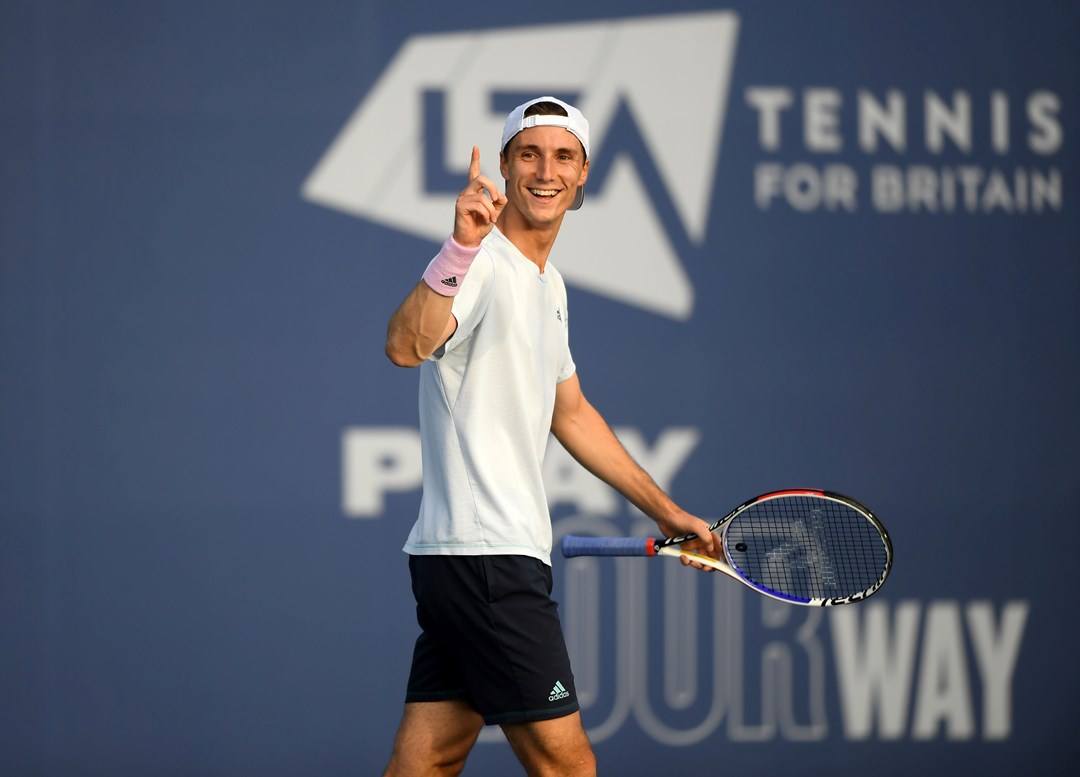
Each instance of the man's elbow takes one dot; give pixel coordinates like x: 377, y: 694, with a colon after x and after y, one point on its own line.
x: 402, y: 357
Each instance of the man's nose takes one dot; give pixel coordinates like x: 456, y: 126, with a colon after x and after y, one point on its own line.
x: 545, y: 168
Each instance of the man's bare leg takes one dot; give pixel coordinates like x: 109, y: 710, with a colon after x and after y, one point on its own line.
x: 434, y: 738
x: 552, y: 748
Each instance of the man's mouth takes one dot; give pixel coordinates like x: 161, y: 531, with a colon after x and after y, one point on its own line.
x: 545, y: 193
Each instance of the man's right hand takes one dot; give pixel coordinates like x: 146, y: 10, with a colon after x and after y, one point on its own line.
x: 476, y: 212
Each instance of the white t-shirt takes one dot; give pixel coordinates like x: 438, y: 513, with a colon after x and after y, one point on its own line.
x: 486, y: 400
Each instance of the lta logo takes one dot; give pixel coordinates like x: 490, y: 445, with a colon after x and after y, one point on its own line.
x: 403, y: 156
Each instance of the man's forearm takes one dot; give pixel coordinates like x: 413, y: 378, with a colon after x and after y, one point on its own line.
x: 588, y: 438
x: 418, y: 326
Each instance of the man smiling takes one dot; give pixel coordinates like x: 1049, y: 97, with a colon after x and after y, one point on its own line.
x: 497, y: 378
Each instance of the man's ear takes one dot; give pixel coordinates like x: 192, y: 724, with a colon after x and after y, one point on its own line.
x: 584, y: 173
x: 502, y: 166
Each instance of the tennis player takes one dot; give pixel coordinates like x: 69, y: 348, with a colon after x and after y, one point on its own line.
x: 488, y: 325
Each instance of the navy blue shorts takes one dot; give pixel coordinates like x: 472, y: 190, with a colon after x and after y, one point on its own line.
x: 491, y: 636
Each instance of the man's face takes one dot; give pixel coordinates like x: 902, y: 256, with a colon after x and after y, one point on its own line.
x: 543, y: 167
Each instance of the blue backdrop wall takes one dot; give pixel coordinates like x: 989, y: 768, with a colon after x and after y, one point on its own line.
x: 831, y: 244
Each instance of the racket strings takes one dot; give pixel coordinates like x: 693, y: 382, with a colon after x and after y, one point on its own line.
x: 807, y: 547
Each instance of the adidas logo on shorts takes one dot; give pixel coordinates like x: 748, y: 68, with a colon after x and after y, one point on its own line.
x: 558, y: 692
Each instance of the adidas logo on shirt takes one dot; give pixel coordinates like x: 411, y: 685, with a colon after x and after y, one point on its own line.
x: 558, y: 692
x: 451, y: 282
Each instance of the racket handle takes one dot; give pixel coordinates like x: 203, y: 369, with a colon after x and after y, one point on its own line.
x: 607, y: 546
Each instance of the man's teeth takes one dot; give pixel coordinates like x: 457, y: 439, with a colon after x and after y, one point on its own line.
x: 544, y: 192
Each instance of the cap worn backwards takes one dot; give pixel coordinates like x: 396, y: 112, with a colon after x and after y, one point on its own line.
x: 574, y: 122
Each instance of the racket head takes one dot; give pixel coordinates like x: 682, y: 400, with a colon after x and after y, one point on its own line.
x: 806, y: 546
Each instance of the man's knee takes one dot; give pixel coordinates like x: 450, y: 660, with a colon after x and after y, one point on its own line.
x: 434, y: 738
x: 556, y: 747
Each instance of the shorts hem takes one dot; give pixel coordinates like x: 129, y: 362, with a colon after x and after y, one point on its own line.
x: 529, y: 716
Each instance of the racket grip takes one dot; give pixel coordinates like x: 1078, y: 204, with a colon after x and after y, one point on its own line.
x: 606, y: 546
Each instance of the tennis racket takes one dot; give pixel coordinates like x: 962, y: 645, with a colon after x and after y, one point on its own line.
x: 810, y: 547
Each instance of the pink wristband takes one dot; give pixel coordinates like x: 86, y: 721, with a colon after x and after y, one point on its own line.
x: 447, y: 270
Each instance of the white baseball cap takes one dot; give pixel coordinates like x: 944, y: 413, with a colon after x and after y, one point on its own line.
x: 573, y: 122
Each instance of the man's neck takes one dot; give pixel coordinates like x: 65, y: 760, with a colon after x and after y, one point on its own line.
x: 534, y: 243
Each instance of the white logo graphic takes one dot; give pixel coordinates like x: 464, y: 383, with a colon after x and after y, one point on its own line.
x: 558, y: 692
x: 655, y: 91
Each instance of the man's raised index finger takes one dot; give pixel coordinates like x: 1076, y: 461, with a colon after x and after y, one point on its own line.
x: 474, y: 165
